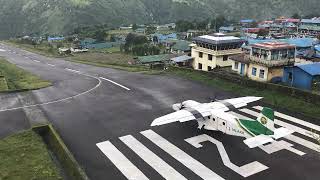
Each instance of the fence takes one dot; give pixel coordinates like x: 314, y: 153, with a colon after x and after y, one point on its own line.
x: 294, y: 92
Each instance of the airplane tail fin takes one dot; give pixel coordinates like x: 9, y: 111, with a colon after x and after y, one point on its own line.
x: 266, y: 118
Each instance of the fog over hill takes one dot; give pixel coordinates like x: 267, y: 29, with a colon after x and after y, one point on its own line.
x: 19, y: 17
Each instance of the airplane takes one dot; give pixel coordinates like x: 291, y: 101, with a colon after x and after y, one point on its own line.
x: 214, y: 116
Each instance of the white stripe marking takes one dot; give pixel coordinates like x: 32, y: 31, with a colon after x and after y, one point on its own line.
x: 281, y: 123
x: 2, y: 50
x: 181, y: 156
x: 293, y: 119
x: 164, y: 169
x: 51, y: 65
x: 59, y: 100
x: 36, y: 61
x: 72, y: 70
x: 115, y: 83
x: 303, y: 142
x: 120, y: 161
x: 245, y: 170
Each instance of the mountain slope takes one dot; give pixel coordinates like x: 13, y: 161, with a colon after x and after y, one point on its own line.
x: 19, y: 17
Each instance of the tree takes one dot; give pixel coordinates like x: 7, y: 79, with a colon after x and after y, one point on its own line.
x: 134, y: 27
x: 182, y: 26
x: 151, y: 30
x: 202, y: 25
x: 100, y: 35
x: 296, y: 16
x: 218, y: 22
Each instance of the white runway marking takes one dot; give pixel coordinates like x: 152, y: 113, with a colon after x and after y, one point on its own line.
x: 36, y: 61
x: 59, y: 100
x: 51, y: 65
x: 72, y: 70
x: 2, y: 50
x: 121, y: 162
x: 303, y: 142
x: 164, y: 169
x: 115, y: 83
x: 293, y: 119
x: 181, y: 156
x: 245, y: 170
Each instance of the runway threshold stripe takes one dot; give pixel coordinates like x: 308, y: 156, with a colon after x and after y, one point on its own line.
x: 164, y: 169
x: 124, y: 87
x: 194, y: 165
x: 293, y: 119
x: 281, y: 123
x: 128, y: 169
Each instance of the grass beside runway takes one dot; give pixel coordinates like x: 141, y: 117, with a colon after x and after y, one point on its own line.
x: 15, y: 78
x: 25, y: 156
x: 274, y: 98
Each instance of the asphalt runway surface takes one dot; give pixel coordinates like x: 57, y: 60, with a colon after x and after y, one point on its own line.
x: 104, y: 117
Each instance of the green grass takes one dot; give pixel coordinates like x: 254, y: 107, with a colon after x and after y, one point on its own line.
x: 19, y: 79
x: 274, y: 98
x: 3, y: 84
x: 110, y: 60
x: 24, y: 156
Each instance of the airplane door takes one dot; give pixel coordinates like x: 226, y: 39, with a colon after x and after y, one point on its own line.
x: 222, y: 125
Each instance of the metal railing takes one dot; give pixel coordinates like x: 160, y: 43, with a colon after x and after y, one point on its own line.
x: 218, y: 52
x: 270, y: 63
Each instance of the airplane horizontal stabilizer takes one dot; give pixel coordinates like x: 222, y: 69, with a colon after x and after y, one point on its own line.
x: 258, y: 141
x: 281, y: 132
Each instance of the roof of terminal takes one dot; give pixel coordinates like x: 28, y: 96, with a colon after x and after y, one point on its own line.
x: 218, y: 38
x: 273, y: 45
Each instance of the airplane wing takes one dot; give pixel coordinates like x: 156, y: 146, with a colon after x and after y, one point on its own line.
x: 184, y: 115
x: 234, y: 103
x: 204, y: 110
x: 258, y: 141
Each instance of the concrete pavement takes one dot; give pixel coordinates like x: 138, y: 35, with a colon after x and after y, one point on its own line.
x: 90, y: 105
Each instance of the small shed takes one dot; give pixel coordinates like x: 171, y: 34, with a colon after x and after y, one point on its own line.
x: 305, y: 76
x: 154, y: 61
x: 181, y: 46
x: 182, y: 60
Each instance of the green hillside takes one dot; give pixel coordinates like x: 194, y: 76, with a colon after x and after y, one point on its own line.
x: 21, y: 17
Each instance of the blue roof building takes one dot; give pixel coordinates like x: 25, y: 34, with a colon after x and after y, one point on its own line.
x: 305, y: 76
x: 51, y: 39
x: 159, y: 38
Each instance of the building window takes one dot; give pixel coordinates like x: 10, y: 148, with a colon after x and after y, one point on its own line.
x: 261, y: 74
x: 209, y: 68
x: 236, y: 65
x: 209, y: 57
x: 225, y: 58
x: 199, y: 66
x: 254, y: 71
x: 200, y: 54
x: 290, y: 78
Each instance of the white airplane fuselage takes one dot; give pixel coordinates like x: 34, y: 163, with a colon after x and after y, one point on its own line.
x: 224, y: 122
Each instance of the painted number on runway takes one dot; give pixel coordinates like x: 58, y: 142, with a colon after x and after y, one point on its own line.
x: 130, y: 171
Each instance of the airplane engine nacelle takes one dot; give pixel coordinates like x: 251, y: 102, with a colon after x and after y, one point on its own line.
x: 185, y: 104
